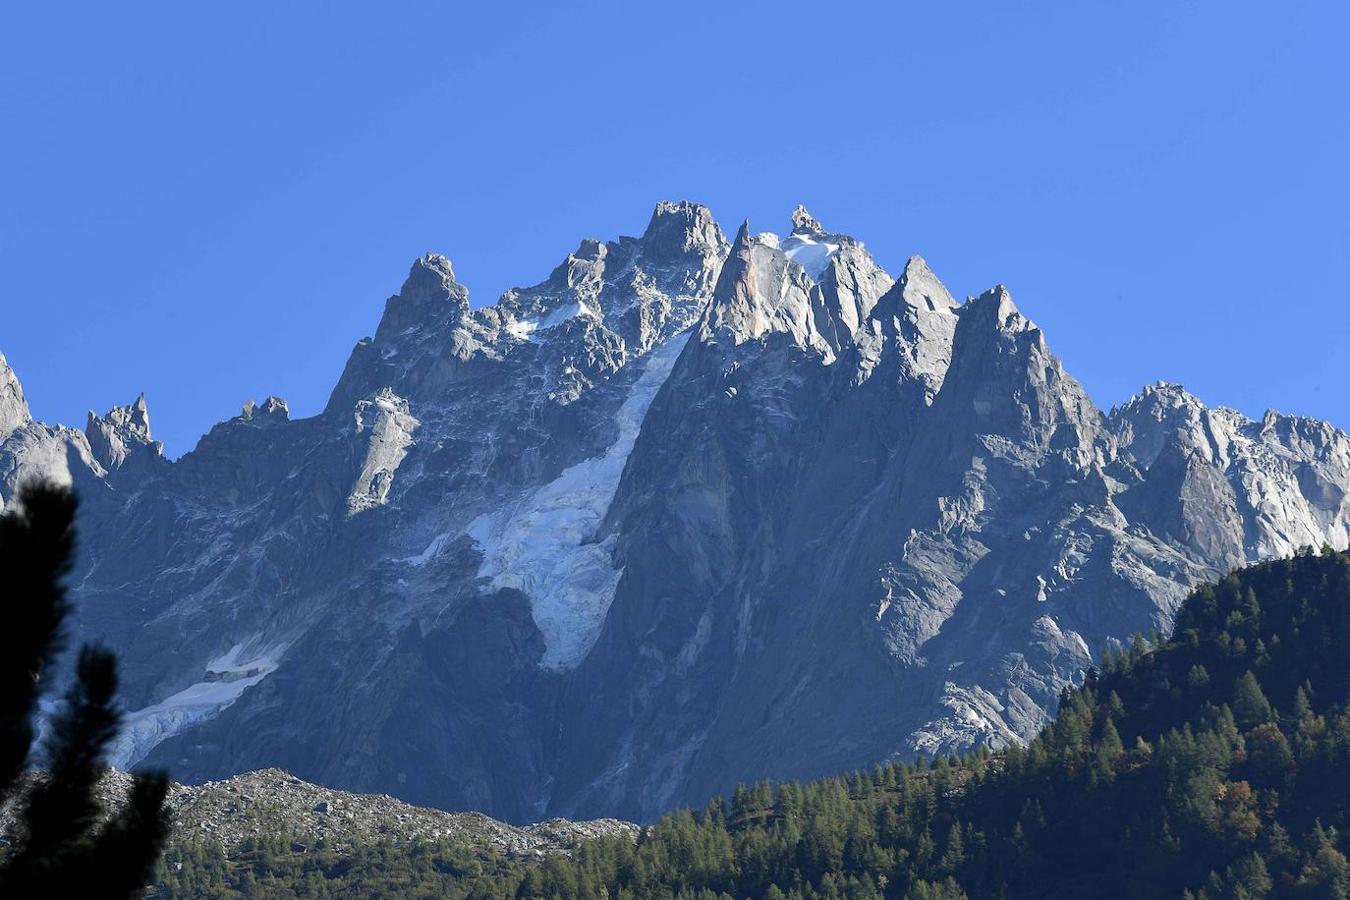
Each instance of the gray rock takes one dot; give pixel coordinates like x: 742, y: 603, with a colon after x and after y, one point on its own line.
x: 122, y: 434
x: 13, y: 407
x: 680, y: 515
x: 272, y: 802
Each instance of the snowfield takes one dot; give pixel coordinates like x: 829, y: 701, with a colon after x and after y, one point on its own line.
x: 812, y: 255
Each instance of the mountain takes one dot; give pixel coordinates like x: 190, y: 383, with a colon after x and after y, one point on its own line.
x: 688, y: 512
x: 1208, y: 766
x: 1211, y: 765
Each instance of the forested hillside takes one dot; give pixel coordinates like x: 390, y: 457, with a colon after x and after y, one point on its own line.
x: 1213, y: 764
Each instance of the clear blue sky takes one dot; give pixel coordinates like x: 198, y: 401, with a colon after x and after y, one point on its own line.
x: 210, y: 202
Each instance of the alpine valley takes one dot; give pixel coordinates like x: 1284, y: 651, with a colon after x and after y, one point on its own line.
x: 687, y: 513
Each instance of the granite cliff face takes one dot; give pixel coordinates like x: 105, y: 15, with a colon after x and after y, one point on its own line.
x: 683, y: 514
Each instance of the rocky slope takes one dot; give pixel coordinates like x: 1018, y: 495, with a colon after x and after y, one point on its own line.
x: 271, y: 802
x: 687, y: 512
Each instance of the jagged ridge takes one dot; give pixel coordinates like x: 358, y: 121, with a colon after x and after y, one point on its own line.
x: 685, y: 512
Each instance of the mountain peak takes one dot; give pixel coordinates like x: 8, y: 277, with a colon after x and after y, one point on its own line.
x: 916, y: 266
x: 115, y: 436
x: 996, y: 308
x: 137, y: 416
x: 1170, y: 392
x: 431, y: 273
x: 811, y: 246
x: 590, y: 249
x: 679, y: 227
x: 13, y: 407
x: 760, y: 291
x: 805, y: 223
x: 922, y: 288
x: 271, y: 409
x: 742, y: 239
x: 429, y: 295
x: 919, y: 314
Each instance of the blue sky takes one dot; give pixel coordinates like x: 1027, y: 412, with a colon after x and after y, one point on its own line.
x: 209, y: 202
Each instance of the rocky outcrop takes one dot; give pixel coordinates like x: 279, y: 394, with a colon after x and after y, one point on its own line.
x: 13, y: 407
x: 683, y: 513
x: 121, y: 435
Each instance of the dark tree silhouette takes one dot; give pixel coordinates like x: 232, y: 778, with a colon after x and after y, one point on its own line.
x: 36, y: 542
x: 62, y: 847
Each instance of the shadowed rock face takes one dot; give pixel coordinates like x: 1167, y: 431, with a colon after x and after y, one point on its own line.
x: 683, y: 514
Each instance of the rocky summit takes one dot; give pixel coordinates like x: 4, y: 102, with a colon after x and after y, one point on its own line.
x: 687, y: 512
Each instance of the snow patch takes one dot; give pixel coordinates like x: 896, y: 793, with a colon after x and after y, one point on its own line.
x: 543, y: 543
x: 812, y: 255
x: 227, y: 677
x: 524, y: 329
x: 521, y: 329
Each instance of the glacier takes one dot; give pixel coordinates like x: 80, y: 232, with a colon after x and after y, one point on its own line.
x: 543, y: 544
x: 524, y: 329
x: 227, y: 677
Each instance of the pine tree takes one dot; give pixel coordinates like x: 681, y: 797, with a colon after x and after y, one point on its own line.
x: 36, y: 541
x: 1326, y: 873
x: 1198, y: 678
x: 62, y: 850
x: 1250, y: 706
x: 1249, y: 878
x: 1303, y: 710
x: 1110, y: 742
x: 955, y: 854
x: 1109, y: 749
